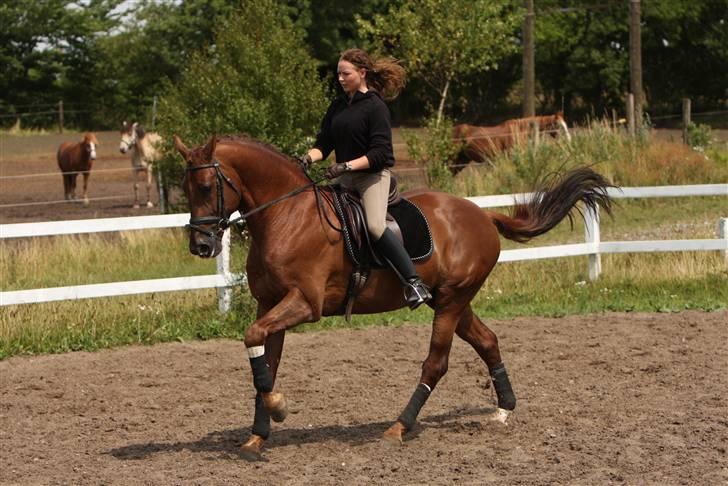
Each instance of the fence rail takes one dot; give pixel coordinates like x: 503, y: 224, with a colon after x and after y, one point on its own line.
x: 593, y: 247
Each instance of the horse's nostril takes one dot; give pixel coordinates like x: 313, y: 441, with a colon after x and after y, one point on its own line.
x: 204, y: 250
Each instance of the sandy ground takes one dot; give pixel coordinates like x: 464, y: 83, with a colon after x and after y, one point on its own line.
x: 603, y: 399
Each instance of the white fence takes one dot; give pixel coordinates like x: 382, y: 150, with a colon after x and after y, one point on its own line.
x: 592, y: 247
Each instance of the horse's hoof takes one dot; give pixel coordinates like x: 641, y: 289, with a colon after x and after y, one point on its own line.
x: 85, y: 202
x: 501, y: 415
x: 150, y: 204
x: 135, y: 206
x: 275, y: 404
x: 393, y: 435
x: 252, y: 450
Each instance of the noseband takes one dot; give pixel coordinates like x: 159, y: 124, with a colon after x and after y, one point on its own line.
x: 129, y: 144
x: 220, y: 221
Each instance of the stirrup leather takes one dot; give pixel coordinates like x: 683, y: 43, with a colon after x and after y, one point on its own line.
x: 416, y: 293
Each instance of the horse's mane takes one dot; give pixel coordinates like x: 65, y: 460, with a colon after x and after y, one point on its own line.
x: 247, y: 139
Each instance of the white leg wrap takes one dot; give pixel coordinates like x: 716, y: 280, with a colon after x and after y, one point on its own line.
x: 256, y: 351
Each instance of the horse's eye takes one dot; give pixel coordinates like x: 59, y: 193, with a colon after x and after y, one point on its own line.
x: 206, y: 188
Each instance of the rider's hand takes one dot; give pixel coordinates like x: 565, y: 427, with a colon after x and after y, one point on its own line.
x: 305, y: 161
x: 335, y: 170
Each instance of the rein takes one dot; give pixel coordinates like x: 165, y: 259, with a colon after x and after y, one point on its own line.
x: 221, y: 221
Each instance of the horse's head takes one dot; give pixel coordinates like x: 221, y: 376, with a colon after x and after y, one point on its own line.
x: 130, y: 134
x: 89, y: 145
x: 554, y: 124
x: 212, y: 196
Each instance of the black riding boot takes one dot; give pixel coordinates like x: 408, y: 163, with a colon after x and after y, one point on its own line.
x: 415, y: 291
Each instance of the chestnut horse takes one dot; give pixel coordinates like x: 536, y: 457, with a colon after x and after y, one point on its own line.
x: 480, y: 144
x: 298, y: 270
x: 142, y: 146
x: 75, y: 158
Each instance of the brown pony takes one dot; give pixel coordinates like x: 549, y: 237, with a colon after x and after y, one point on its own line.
x: 298, y: 270
x: 74, y: 158
x: 480, y: 144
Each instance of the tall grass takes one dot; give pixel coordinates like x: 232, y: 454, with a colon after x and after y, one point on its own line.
x: 624, y: 160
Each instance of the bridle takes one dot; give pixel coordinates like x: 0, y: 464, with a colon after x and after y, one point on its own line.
x: 221, y: 220
x: 131, y: 143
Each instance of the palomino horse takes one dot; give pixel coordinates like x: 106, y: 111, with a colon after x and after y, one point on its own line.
x: 144, y: 152
x: 479, y: 144
x: 75, y: 158
x: 298, y: 270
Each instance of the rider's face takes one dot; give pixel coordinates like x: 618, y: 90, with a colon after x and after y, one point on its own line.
x: 350, y: 77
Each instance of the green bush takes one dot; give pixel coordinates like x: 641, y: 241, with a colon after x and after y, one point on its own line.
x: 434, y: 148
x: 257, y: 78
x: 699, y: 136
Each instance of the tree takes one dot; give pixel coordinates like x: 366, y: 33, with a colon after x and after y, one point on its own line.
x: 257, y: 77
x: 48, y: 49
x: 443, y: 40
x: 152, y: 44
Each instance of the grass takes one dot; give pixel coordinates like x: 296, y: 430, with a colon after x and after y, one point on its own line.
x: 659, y: 282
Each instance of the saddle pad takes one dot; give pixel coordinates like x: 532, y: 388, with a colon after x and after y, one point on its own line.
x: 415, y: 229
x: 410, y: 221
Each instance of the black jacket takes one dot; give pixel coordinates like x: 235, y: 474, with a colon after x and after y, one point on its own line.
x: 362, y: 127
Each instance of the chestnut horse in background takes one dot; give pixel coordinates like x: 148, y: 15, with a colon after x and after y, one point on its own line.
x: 75, y: 158
x: 298, y: 270
x: 143, y: 147
x: 480, y: 144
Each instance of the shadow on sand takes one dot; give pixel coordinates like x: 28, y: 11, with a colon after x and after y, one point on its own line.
x: 228, y: 442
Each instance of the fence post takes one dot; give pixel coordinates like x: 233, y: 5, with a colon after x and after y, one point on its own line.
x: 630, y: 115
x: 224, y: 294
x: 60, y: 116
x: 591, y: 235
x: 685, y: 119
x: 723, y: 235
x: 535, y: 135
x: 154, y: 112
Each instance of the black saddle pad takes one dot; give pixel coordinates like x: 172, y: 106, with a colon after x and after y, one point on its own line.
x: 415, y: 229
x: 408, y: 220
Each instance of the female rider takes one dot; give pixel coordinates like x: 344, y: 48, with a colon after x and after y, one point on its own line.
x: 357, y: 127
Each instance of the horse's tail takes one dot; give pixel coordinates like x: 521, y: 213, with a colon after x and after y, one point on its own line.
x: 552, y: 203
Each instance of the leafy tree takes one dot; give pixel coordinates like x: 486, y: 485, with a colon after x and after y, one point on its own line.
x: 442, y: 40
x: 48, y: 50
x: 153, y: 43
x: 256, y: 78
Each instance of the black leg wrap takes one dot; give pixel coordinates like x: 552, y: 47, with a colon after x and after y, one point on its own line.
x: 261, y: 422
x: 409, y: 415
x: 506, y: 398
x: 262, y: 379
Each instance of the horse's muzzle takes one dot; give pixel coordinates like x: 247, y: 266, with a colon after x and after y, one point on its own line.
x: 204, y: 246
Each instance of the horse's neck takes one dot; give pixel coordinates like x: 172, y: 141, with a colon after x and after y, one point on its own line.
x: 266, y: 176
x: 145, y: 147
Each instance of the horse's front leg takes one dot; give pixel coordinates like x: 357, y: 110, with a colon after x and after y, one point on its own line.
x: 85, y: 188
x: 264, y: 343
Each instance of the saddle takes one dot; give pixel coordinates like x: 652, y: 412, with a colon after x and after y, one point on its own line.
x: 404, y: 219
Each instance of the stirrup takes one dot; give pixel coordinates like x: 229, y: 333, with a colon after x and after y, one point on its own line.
x: 416, y: 293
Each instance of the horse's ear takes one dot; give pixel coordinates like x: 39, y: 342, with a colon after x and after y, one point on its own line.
x: 181, y: 148
x: 210, y: 147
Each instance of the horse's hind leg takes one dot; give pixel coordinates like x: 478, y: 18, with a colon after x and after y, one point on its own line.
x: 472, y: 330
x: 149, y: 187
x: 66, y: 187
x: 433, y: 369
